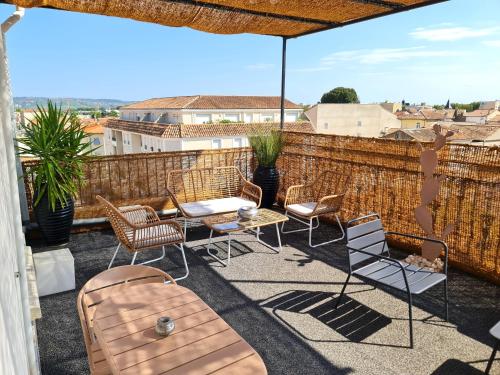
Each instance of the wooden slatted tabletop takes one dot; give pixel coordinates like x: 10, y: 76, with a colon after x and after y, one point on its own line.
x: 202, y: 343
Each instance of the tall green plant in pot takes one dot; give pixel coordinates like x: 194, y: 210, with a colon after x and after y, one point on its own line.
x: 267, y: 148
x: 56, y: 138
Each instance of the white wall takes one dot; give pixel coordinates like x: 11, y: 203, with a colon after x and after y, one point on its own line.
x: 362, y: 120
x: 188, y: 116
x: 476, y: 120
x: 16, y: 335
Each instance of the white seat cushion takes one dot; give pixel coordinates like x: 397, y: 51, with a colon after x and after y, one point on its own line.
x: 302, y: 209
x: 215, y: 206
x: 495, y: 331
x: 155, y: 235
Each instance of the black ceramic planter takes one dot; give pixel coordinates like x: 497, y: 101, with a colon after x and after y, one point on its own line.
x: 268, y: 179
x: 54, y: 225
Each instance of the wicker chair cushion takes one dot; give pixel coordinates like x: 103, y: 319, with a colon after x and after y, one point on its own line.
x: 215, y: 206
x: 302, y: 209
x: 157, y: 235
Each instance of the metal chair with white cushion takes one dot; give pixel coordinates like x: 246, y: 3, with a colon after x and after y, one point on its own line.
x: 495, y: 332
x: 366, y: 246
x: 306, y: 203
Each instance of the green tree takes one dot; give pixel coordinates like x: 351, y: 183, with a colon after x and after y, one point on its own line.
x: 113, y: 113
x: 340, y: 95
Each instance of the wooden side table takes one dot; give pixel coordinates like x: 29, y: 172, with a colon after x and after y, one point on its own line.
x: 231, y: 223
x: 202, y: 343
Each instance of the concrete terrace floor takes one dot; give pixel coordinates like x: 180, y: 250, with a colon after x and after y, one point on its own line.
x: 282, y: 304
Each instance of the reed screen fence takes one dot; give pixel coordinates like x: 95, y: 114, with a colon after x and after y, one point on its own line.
x: 386, y: 178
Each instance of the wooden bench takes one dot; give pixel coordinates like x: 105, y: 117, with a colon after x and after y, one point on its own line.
x: 202, y: 192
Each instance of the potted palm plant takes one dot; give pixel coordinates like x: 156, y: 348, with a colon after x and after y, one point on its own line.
x: 267, y: 148
x: 56, y: 138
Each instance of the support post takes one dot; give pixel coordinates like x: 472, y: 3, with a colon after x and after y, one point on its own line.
x: 283, y: 77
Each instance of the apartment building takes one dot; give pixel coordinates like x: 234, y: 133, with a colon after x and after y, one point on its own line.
x: 196, y: 123
x: 94, y: 130
x: 481, y: 116
x: 361, y: 120
x: 206, y: 109
x: 126, y: 137
x: 473, y: 134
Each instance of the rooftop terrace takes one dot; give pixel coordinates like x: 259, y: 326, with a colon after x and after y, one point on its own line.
x: 282, y: 304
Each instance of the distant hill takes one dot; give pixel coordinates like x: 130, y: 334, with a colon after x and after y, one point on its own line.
x: 25, y: 102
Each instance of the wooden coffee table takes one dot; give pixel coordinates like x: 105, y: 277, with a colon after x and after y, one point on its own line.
x: 231, y: 223
x: 202, y: 343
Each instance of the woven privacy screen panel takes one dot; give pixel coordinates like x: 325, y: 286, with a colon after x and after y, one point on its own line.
x: 270, y: 17
x: 386, y: 177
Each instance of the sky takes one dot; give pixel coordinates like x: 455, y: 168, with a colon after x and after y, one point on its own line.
x: 432, y: 54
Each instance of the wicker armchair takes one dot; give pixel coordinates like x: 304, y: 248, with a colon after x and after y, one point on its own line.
x: 305, y: 203
x: 202, y: 192
x: 138, y: 228
x: 100, y: 287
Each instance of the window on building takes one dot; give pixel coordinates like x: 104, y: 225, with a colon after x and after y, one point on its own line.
x: 325, y: 125
x: 202, y: 118
x: 146, y: 147
x: 418, y: 125
x: 96, y: 141
x: 267, y: 117
x: 360, y: 123
x: 152, y: 148
x: 216, y: 143
x: 238, y: 142
x: 233, y: 117
x: 159, y: 150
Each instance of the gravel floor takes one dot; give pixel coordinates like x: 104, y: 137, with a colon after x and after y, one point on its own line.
x: 282, y: 304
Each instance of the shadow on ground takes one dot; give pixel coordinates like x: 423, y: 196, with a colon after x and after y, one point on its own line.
x: 351, y: 319
x: 62, y: 350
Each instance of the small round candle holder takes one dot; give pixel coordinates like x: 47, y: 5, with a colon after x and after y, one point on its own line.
x: 164, y: 326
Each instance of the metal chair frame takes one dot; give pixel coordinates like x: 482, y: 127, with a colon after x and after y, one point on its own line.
x: 128, y: 222
x: 401, y: 265
x: 323, y: 191
x: 495, y: 332
x: 310, y: 227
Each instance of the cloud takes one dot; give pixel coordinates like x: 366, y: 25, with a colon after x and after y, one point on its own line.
x: 491, y: 43
x: 448, y: 34
x: 259, y: 66
x: 383, y: 55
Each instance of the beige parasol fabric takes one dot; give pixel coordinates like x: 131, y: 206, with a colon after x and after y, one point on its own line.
x: 290, y: 18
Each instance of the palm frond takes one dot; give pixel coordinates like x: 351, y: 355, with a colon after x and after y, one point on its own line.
x: 57, y: 139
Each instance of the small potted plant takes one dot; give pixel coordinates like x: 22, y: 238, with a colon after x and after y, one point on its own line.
x: 56, y: 138
x: 267, y: 148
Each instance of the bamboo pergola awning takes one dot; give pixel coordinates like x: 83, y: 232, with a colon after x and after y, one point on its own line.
x: 291, y: 18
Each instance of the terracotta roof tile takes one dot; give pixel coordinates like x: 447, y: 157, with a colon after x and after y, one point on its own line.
x: 213, y: 102
x: 203, y: 130
x: 461, y: 132
x: 478, y: 113
x: 92, y: 126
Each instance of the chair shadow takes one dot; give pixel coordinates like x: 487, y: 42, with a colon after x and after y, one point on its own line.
x: 456, y: 367
x: 219, y: 247
x: 353, y: 320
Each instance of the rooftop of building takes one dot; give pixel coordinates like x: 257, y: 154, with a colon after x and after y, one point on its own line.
x: 203, y: 130
x: 213, y: 102
x: 462, y: 132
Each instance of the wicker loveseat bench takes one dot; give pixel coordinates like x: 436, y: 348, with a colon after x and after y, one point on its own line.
x: 202, y: 192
